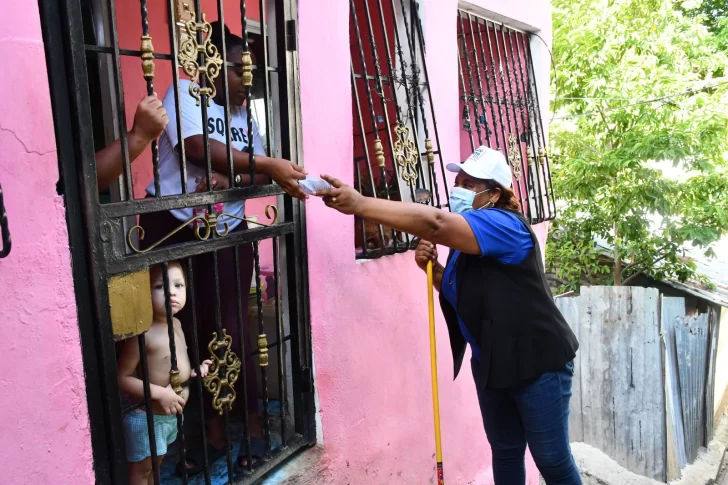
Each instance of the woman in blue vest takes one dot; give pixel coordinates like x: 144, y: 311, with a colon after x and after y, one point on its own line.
x: 495, y: 298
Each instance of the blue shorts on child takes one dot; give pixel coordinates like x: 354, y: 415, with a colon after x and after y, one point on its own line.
x: 136, y: 434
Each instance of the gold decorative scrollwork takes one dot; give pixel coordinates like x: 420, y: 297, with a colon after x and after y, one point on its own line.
x: 514, y: 156
x: 147, y: 57
x: 188, y: 58
x: 405, y: 154
x: 223, y: 373
x: 207, y: 223
x: 430, y: 153
x: 379, y: 152
x: 263, y: 350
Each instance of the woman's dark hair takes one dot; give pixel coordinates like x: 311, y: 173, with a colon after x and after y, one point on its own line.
x: 507, y: 199
x: 232, y: 41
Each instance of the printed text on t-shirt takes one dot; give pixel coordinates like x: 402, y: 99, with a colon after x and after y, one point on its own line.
x: 218, y: 125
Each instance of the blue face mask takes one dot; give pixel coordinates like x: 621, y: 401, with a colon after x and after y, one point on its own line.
x: 461, y: 200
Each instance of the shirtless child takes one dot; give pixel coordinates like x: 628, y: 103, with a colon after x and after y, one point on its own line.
x: 166, y: 404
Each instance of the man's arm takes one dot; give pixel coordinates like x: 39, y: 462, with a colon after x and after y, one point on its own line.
x: 149, y: 122
x: 283, y: 172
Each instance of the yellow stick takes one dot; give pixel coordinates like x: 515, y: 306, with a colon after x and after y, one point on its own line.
x: 433, y: 367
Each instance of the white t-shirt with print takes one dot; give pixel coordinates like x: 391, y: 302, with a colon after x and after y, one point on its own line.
x: 169, y: 159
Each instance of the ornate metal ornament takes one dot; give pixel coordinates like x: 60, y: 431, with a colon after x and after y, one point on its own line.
x: 430, y: 153
x: 223, y: 373
x: 188, y: 58
x: 541, y: 155
x: 405, y: 154
x: 147, y: 57
x: 176, y: 381
x: 247, y: 69
x: 514, y: 156
x: 205, y: 224
x: 379, y: 152
x: 263, y: 350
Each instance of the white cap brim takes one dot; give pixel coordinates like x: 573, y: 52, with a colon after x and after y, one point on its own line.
x: 485, y: 164
x: 454, y: 167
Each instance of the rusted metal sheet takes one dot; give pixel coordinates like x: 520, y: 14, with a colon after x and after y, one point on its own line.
x: 672, y: 309
x: 691, y: 338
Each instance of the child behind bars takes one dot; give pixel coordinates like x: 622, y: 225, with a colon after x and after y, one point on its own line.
x: 166, y: 404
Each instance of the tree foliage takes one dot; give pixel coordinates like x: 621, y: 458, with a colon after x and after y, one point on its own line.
x: 639, y: 86
x: 711, y: 13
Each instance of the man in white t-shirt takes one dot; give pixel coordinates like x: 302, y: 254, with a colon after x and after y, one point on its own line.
x: 283, y: 172
x: 170, y: 178
x: 215, y: 274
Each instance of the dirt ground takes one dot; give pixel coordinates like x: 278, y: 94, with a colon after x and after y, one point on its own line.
x: 598, y: 469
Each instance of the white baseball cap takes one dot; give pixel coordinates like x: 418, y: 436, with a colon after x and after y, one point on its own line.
x: 485, y: 164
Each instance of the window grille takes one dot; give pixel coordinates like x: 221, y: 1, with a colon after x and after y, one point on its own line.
x: 500, y: 107
x: 396, y: 144
x: 112, y: 266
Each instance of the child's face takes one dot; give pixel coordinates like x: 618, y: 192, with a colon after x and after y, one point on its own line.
x: 177, y: 291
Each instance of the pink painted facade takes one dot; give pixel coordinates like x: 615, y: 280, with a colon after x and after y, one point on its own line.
x: 44, y: 426
x: 369, y: 320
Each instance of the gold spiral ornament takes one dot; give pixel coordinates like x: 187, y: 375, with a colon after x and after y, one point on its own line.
x: 514, y: 156
x: 203, y: 231
x: 223, y: 372
x: 406, y: 155
x: 189, y: 52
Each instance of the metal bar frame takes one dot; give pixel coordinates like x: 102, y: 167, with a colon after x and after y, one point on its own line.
x: 378, y: 149
x: 513, y: 101
x: 415, y: 117
x: 98, y: 251
x: 521, y: 89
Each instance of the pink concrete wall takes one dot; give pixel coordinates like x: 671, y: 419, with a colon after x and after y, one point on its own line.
x: 44, y: 425
x: 370, y: 320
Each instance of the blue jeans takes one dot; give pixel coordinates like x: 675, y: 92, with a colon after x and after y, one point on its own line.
x: 534, y: 412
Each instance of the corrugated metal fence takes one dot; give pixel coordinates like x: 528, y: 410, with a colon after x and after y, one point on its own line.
x: 642, y: 372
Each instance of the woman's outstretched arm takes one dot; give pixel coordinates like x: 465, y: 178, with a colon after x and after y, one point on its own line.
x: 431, y: 224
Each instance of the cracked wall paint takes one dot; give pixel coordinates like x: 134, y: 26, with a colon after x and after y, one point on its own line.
x: 369, y: 321
x: 44, y: 425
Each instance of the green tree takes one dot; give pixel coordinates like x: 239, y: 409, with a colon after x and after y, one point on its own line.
x: 712, y: 14
x: 637, y: 85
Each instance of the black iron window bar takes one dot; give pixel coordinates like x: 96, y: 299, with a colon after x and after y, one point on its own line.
x: 202, y: 63
x: 403, y: 152
x: 5, y: 243
x: 500, y: 107
x: 202, y: 66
